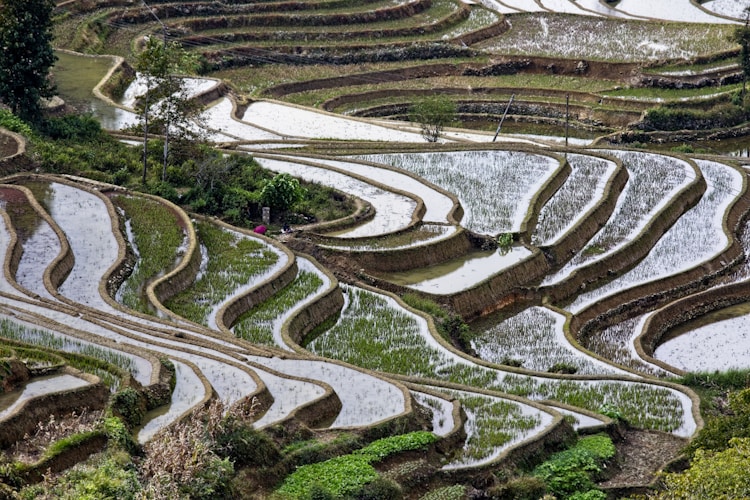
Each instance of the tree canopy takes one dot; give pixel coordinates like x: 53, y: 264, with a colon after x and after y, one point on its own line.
x: 26, y: 56
x: 433, y: 113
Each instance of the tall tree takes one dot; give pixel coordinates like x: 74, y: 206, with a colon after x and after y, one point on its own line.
x: 26, y: 56
x: 166, y: 97
x: 433, y: 113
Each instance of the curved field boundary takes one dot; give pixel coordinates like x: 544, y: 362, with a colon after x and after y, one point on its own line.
x: 61, y: 266
x: 456, y: 212
x: 415, y: 218
x: 25, y: 418
x: 629, y: 254
x: 589, y: 223
x: 543, y: 195
x: 307, y: 318
x: 270, y: 36
x: 504, y: 65
x: 650, y: 295
x: 315, y: 413
x: 17, y: 159
x: 286, y: 20
x: 229, y: 312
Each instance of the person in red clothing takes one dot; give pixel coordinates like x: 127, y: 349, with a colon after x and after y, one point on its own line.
x: 260, y: 229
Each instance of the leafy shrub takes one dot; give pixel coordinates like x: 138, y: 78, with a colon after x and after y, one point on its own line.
x: 164, y: 190
x: 575, y: 469
x: 563, y: 368
x: 281, y: 192
x: 338, y: 476
x: 383, y: 448
x: 112, y: 477
x: 128, y: 405
x: 712, y: 475
x: 78, y: 128
x: 719, y: 430
x: 118, y: 434
x: 13, y: 123
x: 244, y: 445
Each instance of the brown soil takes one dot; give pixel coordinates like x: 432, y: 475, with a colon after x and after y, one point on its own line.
x: 8, y: 146
x: 641, y: 454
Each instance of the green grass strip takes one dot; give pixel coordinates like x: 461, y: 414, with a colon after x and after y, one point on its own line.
x: 256, y: 325
x: 233, y: 261
x: 158, y: 237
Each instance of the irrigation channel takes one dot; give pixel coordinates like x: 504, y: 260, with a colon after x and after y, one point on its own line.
x: 604, y: 241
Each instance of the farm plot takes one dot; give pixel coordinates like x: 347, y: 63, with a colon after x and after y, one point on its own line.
x: 158, y: 242
x: 580, y: 193
x: 186, y: 395
x: 626, y: 40
x: 654, y: 180
x: 372, y: 324
x: 438, y: 205
x: 41, y: 245
x: 724, y: 333
x: 393, y: 211
x: 495, y: 188
x: 670, y: 10
x: 14, y: 328
x: 39, y: 386
x: 696, y: 237
x: 86, y: 222
x: 534, y: 339
x: 616, y: 344
x: 296, y: 122
x: 493, y: 425
x: 262, y: 324
x: 462, y: 273
x: 236, y: 262
x: 365, y: 398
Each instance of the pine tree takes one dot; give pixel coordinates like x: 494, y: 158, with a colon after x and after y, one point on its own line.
x: 26, y: 55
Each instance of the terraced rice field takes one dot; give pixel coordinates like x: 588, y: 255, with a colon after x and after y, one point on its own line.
x: 555, y: 256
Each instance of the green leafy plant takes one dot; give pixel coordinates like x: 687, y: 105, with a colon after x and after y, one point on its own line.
x: 433, y: 114
x: 281, y: 192
x: 573, y: 471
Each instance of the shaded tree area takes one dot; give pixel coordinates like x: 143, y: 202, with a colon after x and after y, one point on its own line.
x: 26, y: 56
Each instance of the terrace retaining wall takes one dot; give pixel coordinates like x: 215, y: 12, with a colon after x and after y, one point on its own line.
x: 404, y: 259
x: 18, y: 160
x: 307, y: 318
x: 288, y: 20
x: 590, y: 223
x: 92, y: 443
x: 61, y: 266
x: 230, y: 312
x: 648, y: 296
x: 39, y: 409
x: 627, y: 256
x: 555, y: 182
x: 505, y: 65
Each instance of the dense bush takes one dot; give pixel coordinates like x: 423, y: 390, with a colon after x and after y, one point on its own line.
x: 573, y: 471
x: 719, y: 430
x: 129, y: 405
x: 712, y: 475
x: 13, y: 123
